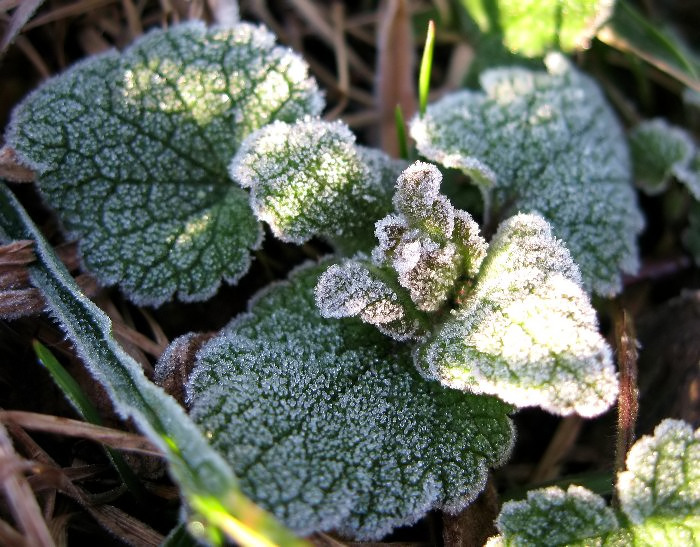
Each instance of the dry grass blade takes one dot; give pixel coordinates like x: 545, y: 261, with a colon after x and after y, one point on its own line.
x: 17, y: 253
x: 11, y: 537
x: 21, y: 499
x: 11, y: 169
x: 71, y: 10
x: 132, y: 531
x: 129, y: 529
x: 113, y: 438
x: 318, y: 21
x: 396, y: 64
x: 19, y: 18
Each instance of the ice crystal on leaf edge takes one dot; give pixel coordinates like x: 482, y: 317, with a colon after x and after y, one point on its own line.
x: 509, y: 319
x: 328, y: 425
x: 132, y: 150
x: 659, y: 497
x: 544, y: 142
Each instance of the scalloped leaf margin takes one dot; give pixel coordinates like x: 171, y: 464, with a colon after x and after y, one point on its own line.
x: 132, y: 150
x: 329, y: 426
x: 310, y: 178
x: 545, y: 142
x: 659, y: 496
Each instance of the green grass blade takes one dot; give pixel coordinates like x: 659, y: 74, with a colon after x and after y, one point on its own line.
x: 426, y: 67
x: 68, y: 385
x: 205, y: 479
x: 89, y: 413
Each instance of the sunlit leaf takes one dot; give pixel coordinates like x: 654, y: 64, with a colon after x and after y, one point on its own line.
x: 132, y: 149
x: 659, y: 497
x: 328, y: 425
x: 546, y: 143
x: 534, y: 27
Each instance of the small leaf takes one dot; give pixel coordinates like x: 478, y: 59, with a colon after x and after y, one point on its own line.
x: 659, y: 496
x: 661, y: 151
x: 545, y: 142
x: 552, y: 516
x: 132, y: 150
x: 309, y: 178
x: 328, y: 425
x: 660, y: 491
x: 534, y: 27
x: 526, y: 332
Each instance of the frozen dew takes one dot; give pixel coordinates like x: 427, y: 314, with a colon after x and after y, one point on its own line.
x: 310, y: 178
x: 544, y: 142
x: 526, y: 332
x: 132, y: 150
x: 327, y: 424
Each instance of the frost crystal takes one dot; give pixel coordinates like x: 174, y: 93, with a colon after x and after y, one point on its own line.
x: 545, y: 142
x: 526, y: 332
x: 310, y: 178
x: 659, y: 495
x: 661, y: 151
x: 352, y: 291
x: 327, y: 424
x: 132, y: 150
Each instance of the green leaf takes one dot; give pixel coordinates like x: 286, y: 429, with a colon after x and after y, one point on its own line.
x: 534, y: 27
x: 310, y: 178
x: 546, y: 143
x: 328, y: 425
x: 527, y: 332
x: 132, y: 150
x: 552, y: 516
x: 659, y: 497
x: 660, y: 490
x: 660, y: 152
x: 206, y: 481
x: 509, y: 319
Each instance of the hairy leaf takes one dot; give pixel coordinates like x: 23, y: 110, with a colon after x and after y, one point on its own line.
x: 534, y: 27
x: 659, y: 497
x: 328, y: 425
x: 545, y: 142
x: 132, y: 150
x: 552, y: 516
x: 310, y: 178
x: 207, y: 482
x: 661, y: 151
x: 526, y: 332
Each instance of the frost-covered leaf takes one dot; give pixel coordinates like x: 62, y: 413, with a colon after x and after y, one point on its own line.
x: 661, y: 151
x: 328, y: 425
x: 310, y: 178
x: 201, y: 474
x: 355, y: 290
x: 133, y: 149
x: 533, y: 27
x: 659, y: 497
x: 660, y: 490
x: 545, y: 142
x: 552, y: 516
x: 527, y: 331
